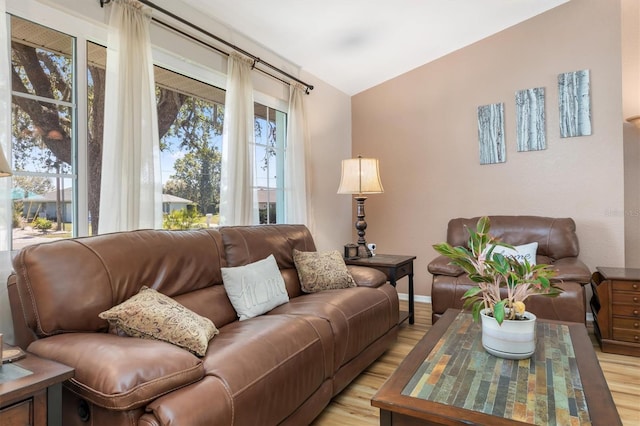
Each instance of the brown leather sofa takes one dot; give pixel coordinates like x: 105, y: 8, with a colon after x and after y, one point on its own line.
x: 557, y: 246
x: 282, y: 367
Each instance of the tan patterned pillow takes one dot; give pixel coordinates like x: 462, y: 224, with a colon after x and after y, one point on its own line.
x: 153, y: 315
x: 322, y: 270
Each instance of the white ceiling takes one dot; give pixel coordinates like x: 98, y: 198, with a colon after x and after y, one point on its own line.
x: 356, y: 44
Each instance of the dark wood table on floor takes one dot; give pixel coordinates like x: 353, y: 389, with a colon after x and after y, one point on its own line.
x: 31, y: 391
x: 394, y: 267
x: 449, y: 379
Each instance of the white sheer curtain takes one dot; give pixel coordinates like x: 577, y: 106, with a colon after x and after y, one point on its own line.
x: 5, y: 127
x: 296, y: 181
x: 131, y: 188
x: 237, y: 205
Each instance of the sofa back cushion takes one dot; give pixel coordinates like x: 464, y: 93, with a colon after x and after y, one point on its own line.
x: 556, y: 237
x: 248, y: 244
x: 64, y: 285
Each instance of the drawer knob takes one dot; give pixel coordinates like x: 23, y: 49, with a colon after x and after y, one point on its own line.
x: 635, y: 312
x: 635, y: 300
x: 635, y: 286
x: 636, y: 325
x: 636, y: 338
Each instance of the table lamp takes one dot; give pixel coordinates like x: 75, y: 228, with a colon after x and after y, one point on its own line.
x: 360, y: 176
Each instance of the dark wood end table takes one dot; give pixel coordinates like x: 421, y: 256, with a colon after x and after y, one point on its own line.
x: 394, y: 267
x: 31, y: 391
x: 448, y: 379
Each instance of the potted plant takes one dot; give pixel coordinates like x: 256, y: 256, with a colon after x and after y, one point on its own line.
x: 492, y: 272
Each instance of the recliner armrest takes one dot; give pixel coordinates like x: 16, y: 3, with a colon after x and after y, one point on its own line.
x: 441, y: 265
x: 367, y: 277
x: 571, y: 269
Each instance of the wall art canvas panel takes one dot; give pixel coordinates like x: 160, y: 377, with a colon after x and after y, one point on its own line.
x: 491, y: 133
x: 530, y: 122
x: 575, y: 104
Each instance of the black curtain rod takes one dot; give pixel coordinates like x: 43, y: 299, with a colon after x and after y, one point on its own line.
x: 256, y: 60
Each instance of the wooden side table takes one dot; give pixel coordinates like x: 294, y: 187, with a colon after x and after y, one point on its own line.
x: 616, y: 309
x: 394, y: 267
x: 31, y: 391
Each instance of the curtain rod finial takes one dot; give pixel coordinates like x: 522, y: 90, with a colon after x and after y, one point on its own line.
x: 103, y: 2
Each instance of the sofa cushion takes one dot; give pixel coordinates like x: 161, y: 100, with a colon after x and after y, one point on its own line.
x: 271, y: 365
x: 255, y: 288
x: 520, y: 253
x: 322, y: 271
x: 152, y: 315
x: 120, y: 372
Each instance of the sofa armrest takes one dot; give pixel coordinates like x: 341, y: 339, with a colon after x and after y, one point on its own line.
x: 367, y: 277
x: 118, y: 372
x: 441, y: 266
x: 571, y: 269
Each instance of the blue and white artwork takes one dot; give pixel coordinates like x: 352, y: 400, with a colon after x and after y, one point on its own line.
x: 530, y: 121
x: 574, y: 99
x: 491, y: 133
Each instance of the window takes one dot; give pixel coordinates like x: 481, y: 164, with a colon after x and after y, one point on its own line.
x: 270, y: 129
x: 190, y: 116
x: 43, y: 147
x: 57, y: 137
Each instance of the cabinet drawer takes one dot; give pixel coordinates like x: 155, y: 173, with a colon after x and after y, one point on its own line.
x: 625, y: 310
x: 624, y: 335
x: 404, y: 270
x: 626, y: 286
x: 18, y: 414
x: 626, y: 323
x: 626, y: 298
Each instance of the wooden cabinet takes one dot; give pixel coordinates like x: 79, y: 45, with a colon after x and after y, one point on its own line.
x: 616, y: 309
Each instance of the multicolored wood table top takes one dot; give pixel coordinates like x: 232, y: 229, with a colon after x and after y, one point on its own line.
x: 545, y: 389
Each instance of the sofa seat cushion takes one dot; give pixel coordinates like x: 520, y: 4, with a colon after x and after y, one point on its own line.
x: 358, y: 316
x: 271, y: 363
x: 120, y: 373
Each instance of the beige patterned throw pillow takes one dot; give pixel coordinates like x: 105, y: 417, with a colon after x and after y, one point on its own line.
x: 322, y: 271
x: 153, y: 315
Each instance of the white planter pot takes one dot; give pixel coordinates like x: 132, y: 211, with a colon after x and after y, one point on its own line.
x: 514, y: 339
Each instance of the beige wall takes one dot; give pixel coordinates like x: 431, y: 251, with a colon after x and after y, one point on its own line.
x: 422, y: 125
x: 631, y: 107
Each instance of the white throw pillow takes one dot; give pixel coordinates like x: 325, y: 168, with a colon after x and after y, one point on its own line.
x: 525, y: 251
x: 255, y: 288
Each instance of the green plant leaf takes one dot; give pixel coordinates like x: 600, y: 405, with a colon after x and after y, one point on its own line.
x: 498, y: 311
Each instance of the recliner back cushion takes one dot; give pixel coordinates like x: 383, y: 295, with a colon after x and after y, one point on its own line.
x: 64, y: 285
x: 556, y: 237
x: 248, y: 244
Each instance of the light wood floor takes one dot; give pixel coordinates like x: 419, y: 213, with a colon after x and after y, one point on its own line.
x: 353, y: 406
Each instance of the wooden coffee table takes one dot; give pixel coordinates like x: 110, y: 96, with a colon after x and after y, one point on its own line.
x: 449, y: 379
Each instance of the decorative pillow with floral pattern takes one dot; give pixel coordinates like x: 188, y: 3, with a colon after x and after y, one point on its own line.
x: 153, y: 315
x: 320, y: 271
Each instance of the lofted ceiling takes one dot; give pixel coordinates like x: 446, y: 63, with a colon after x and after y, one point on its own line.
x: 356, y: 44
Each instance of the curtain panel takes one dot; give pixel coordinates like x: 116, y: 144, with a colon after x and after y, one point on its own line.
x: 131, y: 188
x: 6, y: 226
x: 296, y: 182
x: 238, y: 206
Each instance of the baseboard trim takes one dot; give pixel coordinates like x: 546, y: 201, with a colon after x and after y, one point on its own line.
x: 418, y: 298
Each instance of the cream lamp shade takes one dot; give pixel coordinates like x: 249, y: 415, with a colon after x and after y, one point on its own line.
x: 5, y: 169
x: 360, y: 176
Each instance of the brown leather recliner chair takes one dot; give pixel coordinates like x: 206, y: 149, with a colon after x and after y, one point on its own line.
x: 557, y: 246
